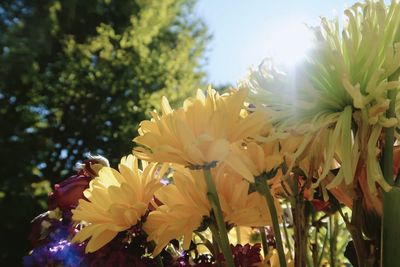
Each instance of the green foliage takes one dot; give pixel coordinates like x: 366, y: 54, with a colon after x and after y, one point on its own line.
x: 78, y: 77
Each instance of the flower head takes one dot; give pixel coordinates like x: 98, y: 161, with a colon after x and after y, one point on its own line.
x: 185, y: 206
x: 201, y: 132
x: 260, y: 158
x: 241, y: 208
x: 341, y: 91
x: 116, y: 200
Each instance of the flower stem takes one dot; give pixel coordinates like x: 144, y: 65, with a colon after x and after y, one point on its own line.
x: 215, y: 237
x: 390, y: 250
x: 389, y: 141
x: 314, y: 246
x: 159, y: 261
x: 300, y: 231
x: 323, y: 249
x: 216, y: 208
x: 285, y: 232
x: 332, y: 239
x: 264, y: 240
x: 274, y: 216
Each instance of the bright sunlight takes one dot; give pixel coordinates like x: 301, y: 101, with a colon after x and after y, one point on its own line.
x: 289, y: 44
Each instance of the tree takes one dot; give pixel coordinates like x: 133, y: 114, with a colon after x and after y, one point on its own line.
x: 78, y: 77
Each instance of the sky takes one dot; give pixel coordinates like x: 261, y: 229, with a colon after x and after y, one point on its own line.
x: 246, y: 32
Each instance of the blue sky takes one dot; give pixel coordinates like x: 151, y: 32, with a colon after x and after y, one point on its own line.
x: 245, y: 32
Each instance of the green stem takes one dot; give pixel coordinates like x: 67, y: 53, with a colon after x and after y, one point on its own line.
x: 323, y: 249
x: 216, y: 208
x: 264, y: 240
x: 300, y: 231
x: 159, y: 261
x: 285, y: 232
x: 354, y: 227
x: 390, y: 249
x: 389, y: 141
x: 315, y: 247
x: 211, y: 246
x: 390, y: 236
x: 332, y: 241
x: 309, y: 260
x: 274, y: 216
x: 215, y: 239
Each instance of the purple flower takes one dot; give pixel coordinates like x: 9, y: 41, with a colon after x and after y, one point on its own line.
x: 245, y: 256
x: 56, y: 253
x: 120, y: 252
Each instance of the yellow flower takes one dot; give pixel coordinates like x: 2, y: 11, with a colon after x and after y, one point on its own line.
x: 242, y: 235
x: 201, y: 132
x: 238, y: 206
x: 260, y: 158
x: 116, y: 201
x: 185, y: 205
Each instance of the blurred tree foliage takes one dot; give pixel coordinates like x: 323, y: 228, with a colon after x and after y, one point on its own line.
x: 77, y: 77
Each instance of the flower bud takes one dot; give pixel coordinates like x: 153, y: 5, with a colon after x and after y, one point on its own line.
x: 67, y: 193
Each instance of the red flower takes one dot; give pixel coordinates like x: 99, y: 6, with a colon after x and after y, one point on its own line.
x: 320, y: 205
x: 245, y: 256
x: 67, y: 193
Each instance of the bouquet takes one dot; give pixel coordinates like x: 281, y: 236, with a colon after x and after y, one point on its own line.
x: 263, y: 175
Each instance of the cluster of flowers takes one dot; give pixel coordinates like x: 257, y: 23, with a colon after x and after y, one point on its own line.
x: 138, y: 213
x: 217, y: 162
x: 341, y: 104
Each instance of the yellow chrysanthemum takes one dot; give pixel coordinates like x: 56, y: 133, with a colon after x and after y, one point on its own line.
x: 185, y: 205
x: 201, y: 132
x: 116, y: 201
x: 238, y: 206
x: 260, y: 158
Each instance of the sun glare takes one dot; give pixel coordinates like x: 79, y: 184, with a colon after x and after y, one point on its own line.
x: 289, y: 43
